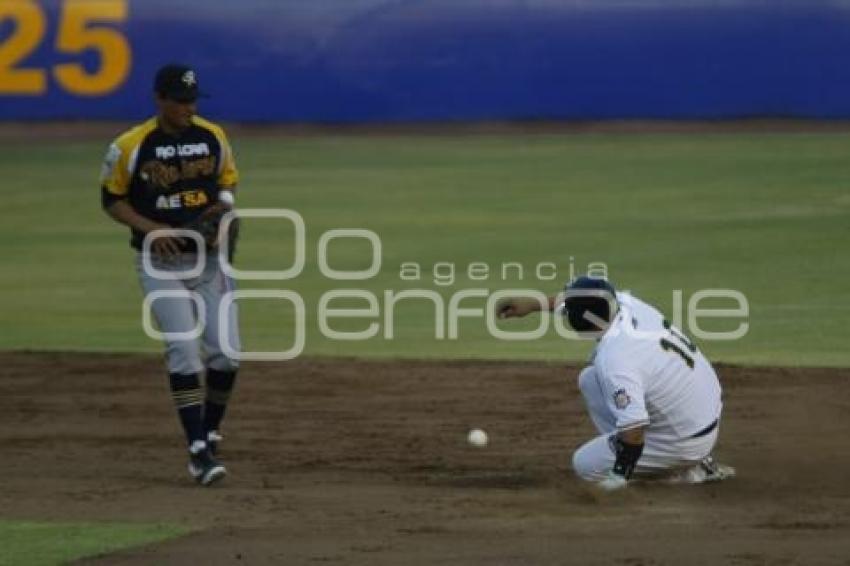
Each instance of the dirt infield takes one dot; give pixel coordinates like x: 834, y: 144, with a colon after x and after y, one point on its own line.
x: 351, y: 462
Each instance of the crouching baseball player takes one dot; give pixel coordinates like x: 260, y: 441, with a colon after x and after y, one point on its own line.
x: 652, y: 395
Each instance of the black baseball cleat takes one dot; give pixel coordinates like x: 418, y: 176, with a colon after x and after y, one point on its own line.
x: 202, y: 466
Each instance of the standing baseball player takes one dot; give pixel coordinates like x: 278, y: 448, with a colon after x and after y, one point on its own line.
x: 652, y: 395
x: 176, y: 170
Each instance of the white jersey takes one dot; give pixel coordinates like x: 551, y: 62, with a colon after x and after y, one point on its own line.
x: 652, y: 375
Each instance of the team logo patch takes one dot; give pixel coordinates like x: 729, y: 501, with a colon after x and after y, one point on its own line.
x: 109, y: 162
x: 621, y: 399
x: 188, y: 78
x: 158, y: 175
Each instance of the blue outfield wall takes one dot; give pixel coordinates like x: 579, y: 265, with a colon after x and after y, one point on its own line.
x: 420, y: 60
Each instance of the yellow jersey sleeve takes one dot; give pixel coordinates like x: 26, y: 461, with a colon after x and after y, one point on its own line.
x: 228, y: 175
x: 119, y: 163
x: 114, y: 176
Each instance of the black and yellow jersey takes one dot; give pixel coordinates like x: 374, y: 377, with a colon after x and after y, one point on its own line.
x: 168, y: 178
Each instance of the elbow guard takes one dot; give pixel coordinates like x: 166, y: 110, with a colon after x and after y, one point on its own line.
x: 627, y: 456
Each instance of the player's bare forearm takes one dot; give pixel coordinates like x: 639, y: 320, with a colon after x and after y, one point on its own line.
x: 632, y: 436
x: 122, y: 212
x: 520, y: 306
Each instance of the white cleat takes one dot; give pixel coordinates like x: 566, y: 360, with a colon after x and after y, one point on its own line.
x: 202, y: 466
x: 213, y: 440
x: 705, y: 472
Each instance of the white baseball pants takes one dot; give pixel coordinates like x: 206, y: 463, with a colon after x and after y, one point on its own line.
x: 179, y: 314
x: 663, y: 450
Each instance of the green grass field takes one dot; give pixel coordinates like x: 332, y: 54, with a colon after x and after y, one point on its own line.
x: 37, y: 544
x: 762, y: 214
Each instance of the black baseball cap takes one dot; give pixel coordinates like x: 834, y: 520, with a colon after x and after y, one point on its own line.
x: 177, y: 82
x: 589, y: 295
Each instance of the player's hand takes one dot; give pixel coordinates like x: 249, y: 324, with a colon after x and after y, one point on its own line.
x: 510, y: 307
x: 167, y: 246
x: 613, y: 482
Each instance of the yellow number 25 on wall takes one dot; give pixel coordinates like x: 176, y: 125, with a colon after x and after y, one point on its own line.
x: 80, y: 28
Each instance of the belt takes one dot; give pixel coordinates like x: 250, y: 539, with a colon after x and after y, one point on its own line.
x: 706, y: 430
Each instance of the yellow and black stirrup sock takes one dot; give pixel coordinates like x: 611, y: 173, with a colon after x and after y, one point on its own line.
x: 219, y: 386
x: 188, y: 399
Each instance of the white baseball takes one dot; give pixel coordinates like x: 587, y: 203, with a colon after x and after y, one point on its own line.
x: 477, y: 437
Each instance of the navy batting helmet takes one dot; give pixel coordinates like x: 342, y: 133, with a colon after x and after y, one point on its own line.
x: 588, y: 296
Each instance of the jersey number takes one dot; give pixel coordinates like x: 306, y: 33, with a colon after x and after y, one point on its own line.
x: 678, y: 343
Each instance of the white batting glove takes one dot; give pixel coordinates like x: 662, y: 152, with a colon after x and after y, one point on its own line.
x: 613, y: 482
